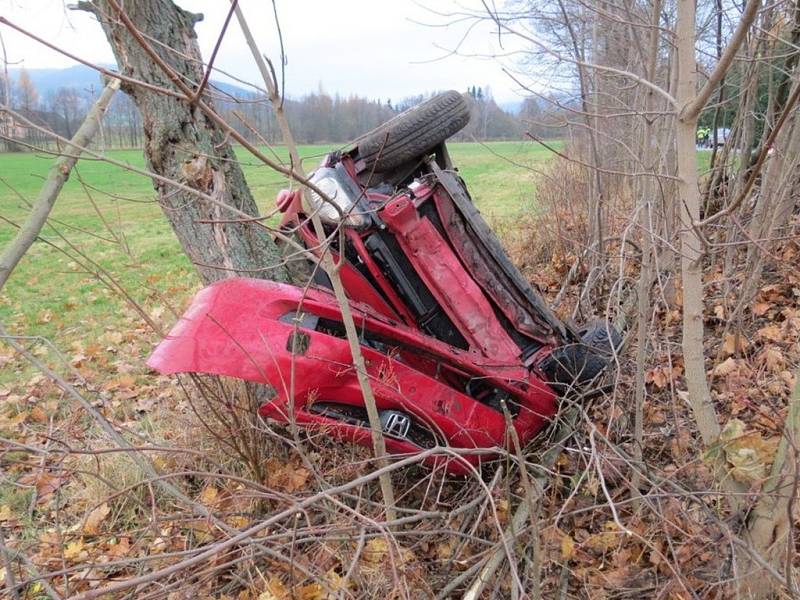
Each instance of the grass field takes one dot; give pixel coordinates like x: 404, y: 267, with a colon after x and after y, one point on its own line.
x: 111, y: 215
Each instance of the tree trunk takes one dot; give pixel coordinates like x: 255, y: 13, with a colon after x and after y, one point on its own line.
x: 770, y: 523
x: 691, y: 246
x: 181, y: 143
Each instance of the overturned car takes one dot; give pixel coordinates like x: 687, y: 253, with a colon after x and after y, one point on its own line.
x: 457, y: 343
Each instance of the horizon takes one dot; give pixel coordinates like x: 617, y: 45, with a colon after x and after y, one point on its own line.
x: 511, y: 105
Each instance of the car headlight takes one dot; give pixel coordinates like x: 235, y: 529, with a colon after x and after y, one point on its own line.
x: 341, y: 192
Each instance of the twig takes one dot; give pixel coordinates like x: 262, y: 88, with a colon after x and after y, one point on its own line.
x: 251, y: 531
x: 378, y: 442
x: 522, y: 513
x: 210, y: 66
x: 11, y: 580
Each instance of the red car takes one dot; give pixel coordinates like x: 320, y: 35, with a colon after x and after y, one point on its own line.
x: 455, y: 339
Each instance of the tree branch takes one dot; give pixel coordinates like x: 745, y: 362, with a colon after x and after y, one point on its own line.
x: 692, y: 110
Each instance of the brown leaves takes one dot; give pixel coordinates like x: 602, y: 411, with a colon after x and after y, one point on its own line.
x: 567, y: 547
x: 747, y: 453
x: 44, y: 482
x: 771, y: 333
x: 734, y: 344
x: 287, y: 477
x: 727, y: 367
x: 7, y: 515
x: 95, y: 519
x: 276, y: 590
x: 75, y: 550
x: 772, y: 358
x: 660, y: 376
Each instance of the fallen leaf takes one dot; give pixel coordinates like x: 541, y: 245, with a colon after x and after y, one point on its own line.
x: 375, y: 551
x: 567, y: 547
x: 11, y: 423
x: 287, y: 478
x: 121, y: 548
x: 747, y: 453
x: 95, y: 519
x: 726, y: 367
x: 444, y: 550
x: 657, y: 376
x: 74, y: 550
x: 275, y: 590
x: 761, y: 308
x: 209, y: 497
x: 789, y: 378
x: 604, y: 541
x: 44, y: 482
x: 772, y: 333
x: 6, y: 514
x: 734, y: 344
x: 37, y: 415
x: 774, y: 360
x: 335, y: 581
x: 311, y: 591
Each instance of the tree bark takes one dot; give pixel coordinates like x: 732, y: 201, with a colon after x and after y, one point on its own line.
x: 183, y: 144
x: 690, y: 243
x: 770, y: 523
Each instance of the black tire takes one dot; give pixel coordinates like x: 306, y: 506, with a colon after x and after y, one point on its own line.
x: 414, y: 132
x: 580, y: 363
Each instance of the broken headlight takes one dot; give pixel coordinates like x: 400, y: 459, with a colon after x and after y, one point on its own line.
x: 336, y: 184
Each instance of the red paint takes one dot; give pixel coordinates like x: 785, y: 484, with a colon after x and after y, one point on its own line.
x: 234, y: 328
x: 446, y: 278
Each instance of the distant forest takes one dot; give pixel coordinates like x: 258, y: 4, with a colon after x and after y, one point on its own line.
x: 315, y: 118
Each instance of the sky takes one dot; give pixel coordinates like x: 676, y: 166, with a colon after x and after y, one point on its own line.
x: 386, y: 49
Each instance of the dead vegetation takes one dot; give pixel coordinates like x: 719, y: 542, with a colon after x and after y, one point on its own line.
x: 83, y: 515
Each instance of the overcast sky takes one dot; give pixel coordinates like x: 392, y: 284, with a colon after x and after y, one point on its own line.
x: 375, y: 48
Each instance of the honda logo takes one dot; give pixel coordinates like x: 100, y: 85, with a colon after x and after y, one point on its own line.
x: 395, y: 423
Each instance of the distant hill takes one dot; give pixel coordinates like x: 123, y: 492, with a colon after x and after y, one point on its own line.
x: 84, y: 78
x: 49, y: 80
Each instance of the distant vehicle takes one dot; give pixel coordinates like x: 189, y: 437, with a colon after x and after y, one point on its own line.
x: 457, y: 343
x: 723, y: 134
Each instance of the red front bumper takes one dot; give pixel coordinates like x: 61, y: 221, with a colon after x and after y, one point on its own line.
x: 248, y: 329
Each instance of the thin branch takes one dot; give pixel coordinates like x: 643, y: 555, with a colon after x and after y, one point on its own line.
x: 692, y: 110
x: 59, y: 173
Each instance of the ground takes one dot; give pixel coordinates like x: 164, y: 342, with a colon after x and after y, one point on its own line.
x: 62, y: 509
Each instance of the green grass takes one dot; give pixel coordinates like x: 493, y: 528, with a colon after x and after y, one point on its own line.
x: 126, y: 234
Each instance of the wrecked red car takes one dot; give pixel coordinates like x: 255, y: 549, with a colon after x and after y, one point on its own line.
x: 457, y: 343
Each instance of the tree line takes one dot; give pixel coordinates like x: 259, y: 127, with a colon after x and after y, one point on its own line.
x: 316, y: 117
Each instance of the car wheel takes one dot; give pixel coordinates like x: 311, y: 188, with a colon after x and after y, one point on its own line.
x: 579, y: 363
x: 413, y: 132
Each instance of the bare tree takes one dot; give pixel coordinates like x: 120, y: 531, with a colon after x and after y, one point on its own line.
x: 68, y: 103
x: 27, y: 96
